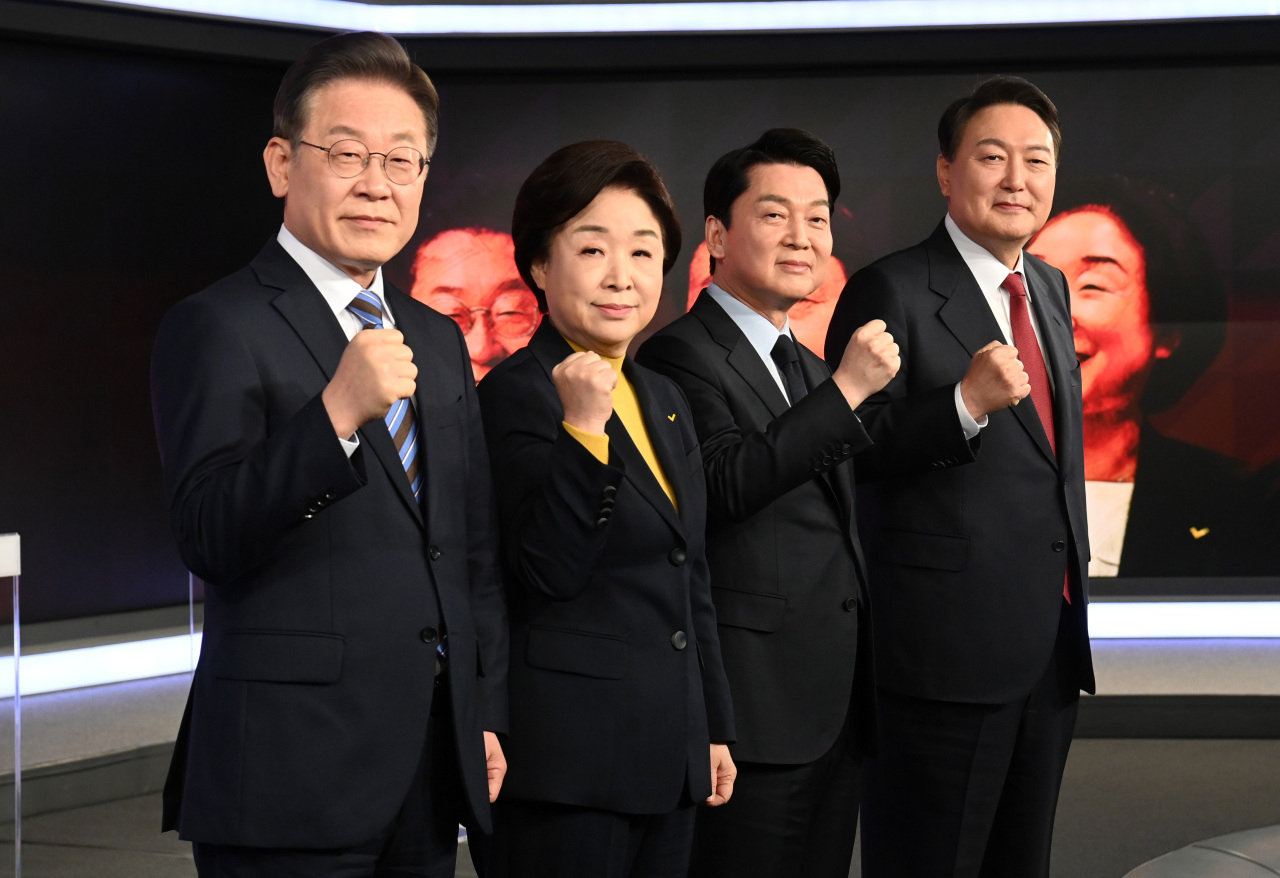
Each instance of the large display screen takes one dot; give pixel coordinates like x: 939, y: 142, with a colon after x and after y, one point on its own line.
x: 140, y: 181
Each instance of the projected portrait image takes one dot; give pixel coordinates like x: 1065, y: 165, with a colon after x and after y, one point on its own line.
x: 808, y: 317
x: 470, y: 275
x: 1149, y: 315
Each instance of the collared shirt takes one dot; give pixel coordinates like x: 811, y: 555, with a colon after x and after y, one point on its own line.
x: 334, y: 284
x: 338, y: 289
x: 990, y: 273
x: 762, y: 334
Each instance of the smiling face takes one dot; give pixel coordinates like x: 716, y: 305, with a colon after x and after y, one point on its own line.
x: 470, y: 275
x: 999, y: 186
x: 778, y: 243
x: 603, y: 273
x: 1110, y: 306
x: 357, y: 223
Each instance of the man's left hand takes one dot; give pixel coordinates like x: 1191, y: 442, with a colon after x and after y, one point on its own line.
x: 495, y: 764
x: 723, y: 773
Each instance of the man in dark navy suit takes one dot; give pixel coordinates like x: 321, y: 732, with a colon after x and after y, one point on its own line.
x: 328, y: 479
x: 974, y: 520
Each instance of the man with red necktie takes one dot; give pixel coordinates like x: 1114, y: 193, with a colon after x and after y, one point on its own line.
x: 975, y: 527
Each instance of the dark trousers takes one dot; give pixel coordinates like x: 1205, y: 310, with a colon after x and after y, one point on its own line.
x: 422, y: 840
x: 547, y: 840
x: 784, y: 820
x: 969, y: 790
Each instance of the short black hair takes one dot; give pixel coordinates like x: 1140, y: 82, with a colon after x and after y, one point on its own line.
x: 368, y: 56
x: 570, y: 179
x: 730, y: 176
x: 1184, y: 284
x: 990, y: 93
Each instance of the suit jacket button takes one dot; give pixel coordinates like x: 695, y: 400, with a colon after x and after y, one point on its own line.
x: 827, y: 461
x: 607, y: 503
x: 308, y: 516
x: 433, y: 552
x: 679, y: 640
x: 429, y: 635
x: 845, y: 449
x: 817, y: 467
x: 850, y: 604
x: 1059, y: 545
x: 610, y: 490
x: 602, y: 522
x: 328, y: 495
x: 677, y: 556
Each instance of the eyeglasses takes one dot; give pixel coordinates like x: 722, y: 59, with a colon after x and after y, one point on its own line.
x: 349, y: 158
x: 512, y: 315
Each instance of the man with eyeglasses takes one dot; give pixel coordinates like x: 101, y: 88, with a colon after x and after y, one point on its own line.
x: 470, y: 274
x: 327, y: 478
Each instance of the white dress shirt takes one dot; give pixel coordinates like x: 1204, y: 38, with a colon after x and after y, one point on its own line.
x: 990, y: 273
x: 338, y: 289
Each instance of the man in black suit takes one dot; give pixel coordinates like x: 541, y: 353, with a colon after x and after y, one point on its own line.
x: 975, y: 524
x: 788, y: 580
x: 331, y: 486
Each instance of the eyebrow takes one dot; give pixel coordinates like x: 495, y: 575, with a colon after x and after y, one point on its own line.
x: 818, y: 202
x: 995, y: 141
x: 604, y: 231
x: 1104, y: 260
x: 348, y: 131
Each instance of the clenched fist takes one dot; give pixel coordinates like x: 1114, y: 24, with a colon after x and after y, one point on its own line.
x: 585, y: 384
x: 376, y: 369
x: 995, y: 380
x: 869, y: 363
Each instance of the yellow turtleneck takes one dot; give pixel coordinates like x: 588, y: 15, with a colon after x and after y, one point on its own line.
x: 627, y: 407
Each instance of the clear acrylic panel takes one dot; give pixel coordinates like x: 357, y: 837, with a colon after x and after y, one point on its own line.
x: 97, y: 702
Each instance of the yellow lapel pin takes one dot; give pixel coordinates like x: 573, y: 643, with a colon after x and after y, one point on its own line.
x: 671, y: 417
x: 1198, y: 532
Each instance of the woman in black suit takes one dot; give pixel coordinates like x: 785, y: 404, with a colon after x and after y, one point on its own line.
x: 620, y: 711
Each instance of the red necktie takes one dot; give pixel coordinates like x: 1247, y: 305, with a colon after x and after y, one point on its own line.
x: 1024, y: 339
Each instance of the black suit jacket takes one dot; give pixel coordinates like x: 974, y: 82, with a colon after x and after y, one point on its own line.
x: 787, y: 572
x: 967, y: 551
x: 1196, y: 513
x: 309, y: 706
x: 617, y: 687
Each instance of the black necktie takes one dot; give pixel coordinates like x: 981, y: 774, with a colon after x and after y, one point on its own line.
x: 784, y: 354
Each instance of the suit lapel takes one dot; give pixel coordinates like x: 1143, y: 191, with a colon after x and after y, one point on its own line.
x: 301, y: 304
x: 664, y: 436
x: 967, y: 314
x: 741, y: 355
x: 550, y: 349
x: 437, y: 386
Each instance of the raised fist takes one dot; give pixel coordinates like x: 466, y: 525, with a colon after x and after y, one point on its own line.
x: 376, y: 369
x: 869, y: 363
x: 585, y: 384
x: 995, y: 380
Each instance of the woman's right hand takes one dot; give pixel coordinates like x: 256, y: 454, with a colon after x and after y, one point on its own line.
x: 585, y: 384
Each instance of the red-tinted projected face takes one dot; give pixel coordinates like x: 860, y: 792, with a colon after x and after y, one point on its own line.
x: 470, y: 275
x: 1107, y: 272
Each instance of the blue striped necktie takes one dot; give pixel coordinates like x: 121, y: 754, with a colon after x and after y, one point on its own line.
x: 400, y: 419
